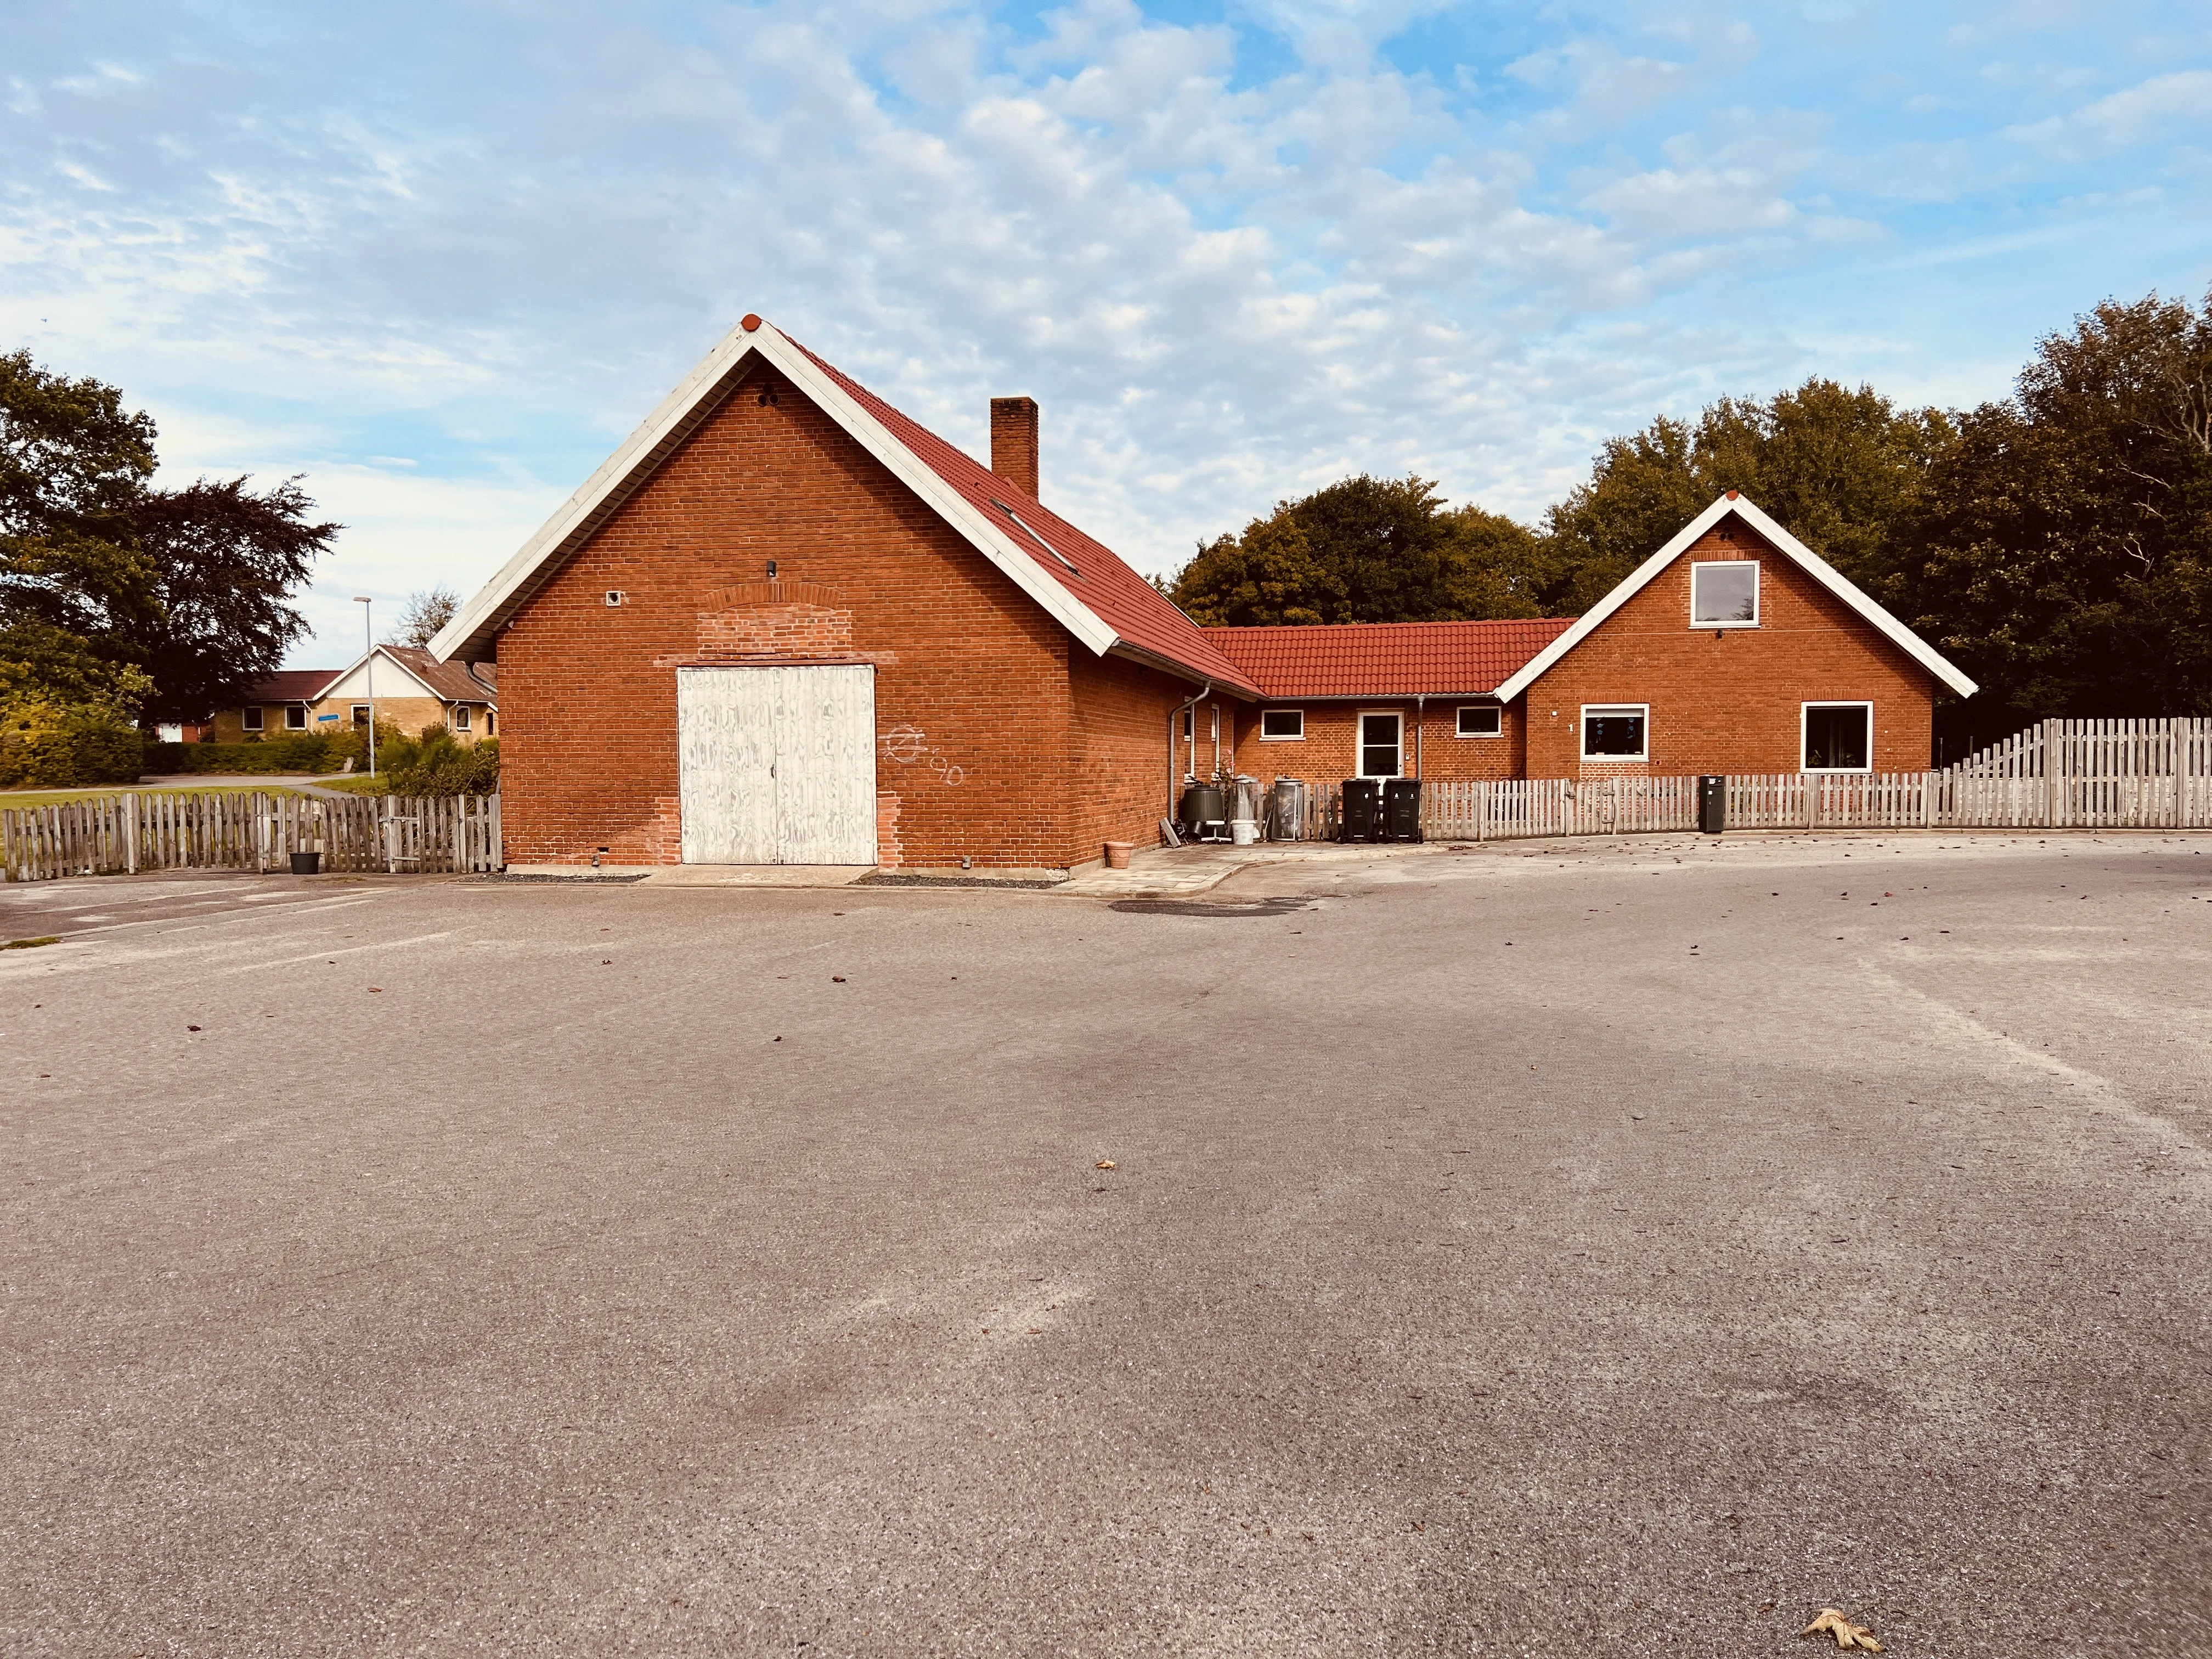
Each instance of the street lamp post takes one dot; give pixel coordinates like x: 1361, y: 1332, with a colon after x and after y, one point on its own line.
x: 369, y: 635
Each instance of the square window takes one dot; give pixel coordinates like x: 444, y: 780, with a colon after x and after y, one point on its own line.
x: 250, y: 718
x: 1381, y: 745
x: 1616, y: 732
x: 1482, y: 720
x: 1282, y: 725
x: 361, y: 713
x: 461, y: 717
x: 1724, y: 595
x: 295, y: 718
x: 1838, y: 737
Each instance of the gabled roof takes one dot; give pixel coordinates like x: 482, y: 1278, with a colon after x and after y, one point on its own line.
x: 450, y: 680
x: 291, y: 685
x: 1783, y: 543
x: 1380, y: 660
x: 1085, y: 587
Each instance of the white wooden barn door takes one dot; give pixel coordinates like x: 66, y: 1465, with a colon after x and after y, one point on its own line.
x: 777, y: 765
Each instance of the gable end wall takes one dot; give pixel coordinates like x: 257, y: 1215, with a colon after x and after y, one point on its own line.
x: 1730, y: 703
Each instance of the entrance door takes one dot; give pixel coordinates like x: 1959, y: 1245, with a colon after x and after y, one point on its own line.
x: 1381, y: 745
x: 777, y: 765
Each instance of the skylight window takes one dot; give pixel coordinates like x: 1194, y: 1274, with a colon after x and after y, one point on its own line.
x: 1034, y: 537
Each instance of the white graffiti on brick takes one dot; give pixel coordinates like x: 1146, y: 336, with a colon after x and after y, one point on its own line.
x: 906, y: 744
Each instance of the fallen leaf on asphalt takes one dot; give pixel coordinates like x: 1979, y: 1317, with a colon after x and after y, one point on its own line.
x: 1847, y: 1634
x: 837, y: 978
x: 1105, y: 1163
x: 191, y: 1028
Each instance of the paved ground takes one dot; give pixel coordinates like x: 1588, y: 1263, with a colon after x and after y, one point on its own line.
x: 1593, y: 1250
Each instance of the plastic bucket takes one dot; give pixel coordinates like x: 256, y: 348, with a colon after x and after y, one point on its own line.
x: 1243, y: 832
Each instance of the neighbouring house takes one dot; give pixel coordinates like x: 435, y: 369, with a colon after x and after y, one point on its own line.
x: 275, y: 704
x: 413, y: 689
x: 784, y: 623
x: 1734, y: 649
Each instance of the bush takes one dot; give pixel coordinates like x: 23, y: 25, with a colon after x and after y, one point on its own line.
x: 49, y: 745
x: 435, y: 764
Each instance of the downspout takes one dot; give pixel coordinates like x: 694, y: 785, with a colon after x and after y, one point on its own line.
x: 1175, y: 736
x: 1420, y: 730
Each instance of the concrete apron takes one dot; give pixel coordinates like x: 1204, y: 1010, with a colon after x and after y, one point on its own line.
x: 1153, y: 873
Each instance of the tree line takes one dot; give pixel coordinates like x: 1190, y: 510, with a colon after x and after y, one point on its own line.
x: 2057, y: 543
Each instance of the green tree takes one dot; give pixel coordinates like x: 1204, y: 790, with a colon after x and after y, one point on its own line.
x: 73, y: 469
x: 2063, y: 554
x: 117, y: 596
x: 1362, y: 550
x: 1843, y: 470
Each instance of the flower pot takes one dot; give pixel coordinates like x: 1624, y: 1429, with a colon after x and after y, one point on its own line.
x: 1117, y: 853
x: 307, y: 864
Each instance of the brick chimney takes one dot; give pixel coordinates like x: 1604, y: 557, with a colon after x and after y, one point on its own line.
x: 1014, y: 442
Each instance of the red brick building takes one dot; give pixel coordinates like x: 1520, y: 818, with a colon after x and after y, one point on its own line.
x: 784, y: 624
x: 1734, y: 649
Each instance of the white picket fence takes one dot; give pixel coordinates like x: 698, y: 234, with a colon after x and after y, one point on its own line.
x: 2062, y: 775
x: 130, y: 831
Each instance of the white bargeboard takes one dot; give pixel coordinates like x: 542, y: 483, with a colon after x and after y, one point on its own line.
x: 778, y: 765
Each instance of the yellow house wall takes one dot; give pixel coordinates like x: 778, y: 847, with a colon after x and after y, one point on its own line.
x: 409, y: 715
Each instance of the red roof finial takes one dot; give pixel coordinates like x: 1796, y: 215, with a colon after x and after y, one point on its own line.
x: 752, y: 321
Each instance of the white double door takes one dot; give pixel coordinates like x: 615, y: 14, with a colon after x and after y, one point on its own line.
x: 778, y: 765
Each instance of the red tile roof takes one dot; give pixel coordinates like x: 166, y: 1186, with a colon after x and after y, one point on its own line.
x: 1128, y: 604
x: 291, y: 685
x: 1387, y: 660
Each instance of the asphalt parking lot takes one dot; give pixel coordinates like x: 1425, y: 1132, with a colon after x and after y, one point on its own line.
x: 1603, y: 1248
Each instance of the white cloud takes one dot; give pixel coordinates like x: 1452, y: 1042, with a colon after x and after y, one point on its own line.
x: 2179, y: 105
x: 487, y: 242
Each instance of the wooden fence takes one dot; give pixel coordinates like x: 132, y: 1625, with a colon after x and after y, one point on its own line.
x: 2062, y: 774
x: 123, y: 833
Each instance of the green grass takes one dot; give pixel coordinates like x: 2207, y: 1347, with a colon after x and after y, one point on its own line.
x: 363, y: 785
x: 13, y: 798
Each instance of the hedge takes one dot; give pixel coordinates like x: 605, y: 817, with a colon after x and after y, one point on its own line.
x: 76, y: 750
x: 306, y: 751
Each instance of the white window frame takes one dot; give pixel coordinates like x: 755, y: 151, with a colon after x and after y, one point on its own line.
x: 1758, y: 593
x: 1359, y: 742
x: 1805, y: 720
x: 295, y: 717
x: 1460, y: 715
x: 1298, y: 736
x: 250, y: 718
x: 460, y: 717
x: 358, y: 713
x: 1601, y: 709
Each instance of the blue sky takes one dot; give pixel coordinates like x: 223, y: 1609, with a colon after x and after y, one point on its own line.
x: 440, y: 258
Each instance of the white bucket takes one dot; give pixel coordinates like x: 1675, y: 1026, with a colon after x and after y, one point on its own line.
x: 1242, y: 832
